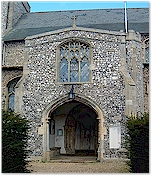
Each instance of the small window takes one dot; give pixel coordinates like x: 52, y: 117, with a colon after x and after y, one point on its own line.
x: 11, y: 93
x: 146, y: 50
x: 74, y: 62
x: 147, y: 87
x: 147, y: 54
x: 60, y: 132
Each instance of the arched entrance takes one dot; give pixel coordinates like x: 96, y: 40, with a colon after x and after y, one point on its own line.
x: 78, y: 127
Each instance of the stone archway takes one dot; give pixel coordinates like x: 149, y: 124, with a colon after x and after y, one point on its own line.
x: 52, y: 106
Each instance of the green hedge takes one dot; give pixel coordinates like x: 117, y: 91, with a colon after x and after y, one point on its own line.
x: 14, y: 142
x: 138, y: 140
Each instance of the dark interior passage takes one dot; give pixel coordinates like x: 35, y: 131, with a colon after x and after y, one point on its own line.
x: 81, y: 131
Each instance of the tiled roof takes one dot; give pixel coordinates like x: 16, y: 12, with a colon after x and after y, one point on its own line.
x: 109, y: 19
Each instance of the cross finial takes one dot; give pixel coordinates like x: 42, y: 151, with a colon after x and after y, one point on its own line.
x: 74, y: 21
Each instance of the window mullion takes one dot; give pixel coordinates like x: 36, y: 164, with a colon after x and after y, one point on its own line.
x: 68, y: 70
x: 76, y: 54
x: 79, y: 70
x: 68, y: 62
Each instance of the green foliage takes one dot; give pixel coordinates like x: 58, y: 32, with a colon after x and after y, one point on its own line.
x: 138, y: 140
x: 14, y: 142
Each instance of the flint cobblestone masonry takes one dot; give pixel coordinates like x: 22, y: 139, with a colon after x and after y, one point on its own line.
x: 146, y: 88
x: 8, y: 75
x: 116, y: 87
x: 40, y: 86
x: 14, y: 54
x: 4, y: 15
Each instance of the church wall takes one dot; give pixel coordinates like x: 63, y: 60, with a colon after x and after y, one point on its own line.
x: 7, y: 76
x: 134, y: 66
x: 11, y: 12
x: 4, y: 10
x: 14, y: 54
x: 146, y: 87
x: 40, y: 86
x: 116, y: 93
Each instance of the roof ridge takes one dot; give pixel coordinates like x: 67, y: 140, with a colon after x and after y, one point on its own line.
x: 39, y: 12
x: 106, y: 19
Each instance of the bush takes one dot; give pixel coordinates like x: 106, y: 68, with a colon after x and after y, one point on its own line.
x: 14, y: 142
x: 138, y: 140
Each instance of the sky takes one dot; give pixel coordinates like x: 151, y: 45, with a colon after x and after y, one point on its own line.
x: 43, y: 6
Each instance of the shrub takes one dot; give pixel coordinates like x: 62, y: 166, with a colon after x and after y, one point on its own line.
x: 138, y: 140
x: 14, y: 142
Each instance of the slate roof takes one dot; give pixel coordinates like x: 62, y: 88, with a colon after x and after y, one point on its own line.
x: 109, y: 19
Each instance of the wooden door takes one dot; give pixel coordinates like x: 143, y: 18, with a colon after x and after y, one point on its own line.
x: 69, y: 138
x: 84, y: 137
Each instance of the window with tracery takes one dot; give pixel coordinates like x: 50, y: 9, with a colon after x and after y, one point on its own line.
x: 145, y: 40
x: 11, y: 93
x: 147, y: 51
x: 74, y: 62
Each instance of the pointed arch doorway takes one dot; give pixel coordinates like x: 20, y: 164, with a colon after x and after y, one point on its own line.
x: 80, y: 124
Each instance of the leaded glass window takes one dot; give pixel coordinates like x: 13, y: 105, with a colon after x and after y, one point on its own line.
x: 11, y: 93
x: 146, y: 48
x: 63, y: 70
x: 74, y: 70
x: 84, y: 72
x: 11, y: 101
x: 74, y: 62
x: 147, y: 51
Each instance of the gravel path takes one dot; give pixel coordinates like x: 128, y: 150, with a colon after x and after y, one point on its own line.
x: 95, y: 167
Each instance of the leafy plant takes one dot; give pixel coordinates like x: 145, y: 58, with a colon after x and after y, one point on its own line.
x: 14, y: 142
x: 138, y: 140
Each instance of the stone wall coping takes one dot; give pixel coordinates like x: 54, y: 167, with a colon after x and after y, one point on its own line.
x: 132, y: 35
x: 120, y: 33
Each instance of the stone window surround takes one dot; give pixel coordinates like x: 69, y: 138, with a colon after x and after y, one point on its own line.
x: 145, y: 46
x: 8, y: 94
x: 58, y: 60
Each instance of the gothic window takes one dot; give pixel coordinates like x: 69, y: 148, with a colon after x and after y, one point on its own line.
x: 147, y: 87
x: 11, y: 93
x: 146, y: 48
x: 74, y: 62
x: 147, y: 52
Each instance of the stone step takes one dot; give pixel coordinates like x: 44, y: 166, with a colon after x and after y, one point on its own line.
x: 74, y: 159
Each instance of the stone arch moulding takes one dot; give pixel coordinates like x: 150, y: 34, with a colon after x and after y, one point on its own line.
x: 77, y: 39
x: 44, y: 129
x: 15, y: 79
